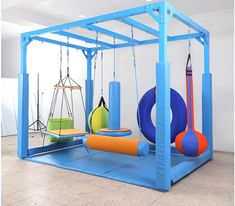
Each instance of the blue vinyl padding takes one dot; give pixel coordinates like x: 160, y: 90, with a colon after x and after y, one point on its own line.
x: 89, y: 91
x: 114, y: 105
x: 179, y: 114
x: 131, y: 169
x: 115, y: 133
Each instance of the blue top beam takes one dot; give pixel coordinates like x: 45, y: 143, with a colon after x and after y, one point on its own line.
x: 186, y: 20
x: 51, y: 41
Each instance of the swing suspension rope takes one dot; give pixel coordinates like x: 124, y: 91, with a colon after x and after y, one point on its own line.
x: 55, y: 93
x: 136, y: 80
x: 101, y: 101
x: 114, y: 59
x: 189, y: 42
x: 62, y: 82
x: 95, y: 61
x: 95, y: 66
x: 102, y: 73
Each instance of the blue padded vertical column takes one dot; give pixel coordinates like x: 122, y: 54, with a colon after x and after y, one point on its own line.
x: 207, y: 106
x: 89, y: 100
x: 163, y: 127
x: 89, y: 88
x: 207, y: 110
x: 114, y: 105
x: 23, y: 117
x: 23, y: 102
x: 163, y: 136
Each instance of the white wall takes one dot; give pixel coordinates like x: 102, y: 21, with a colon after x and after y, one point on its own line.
x: 10, y: 53
x: 9, y: 106
x: 45, y: 58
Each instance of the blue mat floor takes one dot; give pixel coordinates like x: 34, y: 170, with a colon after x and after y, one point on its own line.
x: 135, y: 170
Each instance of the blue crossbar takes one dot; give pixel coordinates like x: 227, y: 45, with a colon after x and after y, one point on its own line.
x: 140, y: 26
x: 186, y: 20
x: 53, y: 146
x: 186, y: 167
x: 83, y: 38
x: 51, y: 41
x: 111, y: 33
x: 154, y: 41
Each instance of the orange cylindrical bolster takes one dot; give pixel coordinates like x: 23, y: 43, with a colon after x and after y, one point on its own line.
x: 117, y: 145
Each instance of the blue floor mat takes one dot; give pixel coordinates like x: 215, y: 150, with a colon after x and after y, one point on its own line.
x: 135, y: 170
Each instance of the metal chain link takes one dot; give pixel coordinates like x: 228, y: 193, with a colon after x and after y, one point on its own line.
x: 67, y: 57
x: 136, y: 81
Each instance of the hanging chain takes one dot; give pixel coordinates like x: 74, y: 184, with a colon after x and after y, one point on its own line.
x: 136, y: 81
x: 133, y: 48
x: 189, y: 41
x: 114, y: 59
x: 95, y: 59
x: 60, y: 63
x: 189, y: 44
x: 102, y: 73
x: 67, y: 57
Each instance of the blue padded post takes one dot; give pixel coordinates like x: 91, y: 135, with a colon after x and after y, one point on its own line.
x: 207, y: 105
x: 114, y: 105
x: 89, y: 87
x: 23, y: 102
x: 162, y: 149
x: 23, y: 117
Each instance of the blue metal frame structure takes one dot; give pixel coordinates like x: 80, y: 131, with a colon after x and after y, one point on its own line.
x: 161, y: 13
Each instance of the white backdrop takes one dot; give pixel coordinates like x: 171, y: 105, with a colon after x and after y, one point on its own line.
x: 44, y: 58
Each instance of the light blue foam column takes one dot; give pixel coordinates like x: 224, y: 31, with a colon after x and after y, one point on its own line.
x: 163, y: 138
x: 114, y: 105
x: 89, y: 88
x: 23, y: 103
x: 207, y: 105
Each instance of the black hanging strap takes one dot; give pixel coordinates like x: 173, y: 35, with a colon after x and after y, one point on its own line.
x: 188, y: 63
x: 102, y: 102
x: 188, y: 68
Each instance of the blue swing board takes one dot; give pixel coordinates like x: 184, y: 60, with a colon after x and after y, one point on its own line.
x: 62, y: 136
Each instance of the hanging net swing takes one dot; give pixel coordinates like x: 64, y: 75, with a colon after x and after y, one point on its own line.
x: 62, y: 129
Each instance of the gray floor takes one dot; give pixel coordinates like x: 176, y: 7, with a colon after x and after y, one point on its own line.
x: 27, y: 183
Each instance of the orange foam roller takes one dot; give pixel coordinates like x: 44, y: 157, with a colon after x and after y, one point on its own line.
x: 117, y: 145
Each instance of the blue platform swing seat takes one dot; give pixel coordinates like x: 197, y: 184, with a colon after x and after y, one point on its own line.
x: 164, y: 164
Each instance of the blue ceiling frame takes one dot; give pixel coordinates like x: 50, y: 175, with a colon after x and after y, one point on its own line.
x: 125, y: 18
